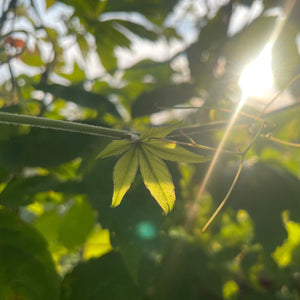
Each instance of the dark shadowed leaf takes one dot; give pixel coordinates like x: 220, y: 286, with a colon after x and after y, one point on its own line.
x: 20, y: 191
x: 102, y: 278
x: 284, y: 66
x: 159, y: 72
x: 262, y: 189
x: 139, y: 30
x: 77, y: 223
x: 78, y: 95
x: 167, y: 96
x: 27, y: 270
x: 43, y: 148
x: 108, y: 37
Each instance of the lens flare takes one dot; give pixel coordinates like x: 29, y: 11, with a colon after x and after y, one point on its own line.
x: 257, y: 78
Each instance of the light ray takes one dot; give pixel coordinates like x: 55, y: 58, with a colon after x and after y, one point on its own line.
x: 245, y: 94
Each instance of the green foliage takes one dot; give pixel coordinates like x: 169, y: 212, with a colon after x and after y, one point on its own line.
x: 157, y: 179
x: 27, y: 271
x: 94, y: 279
x: 146, y: 153
x: 76, y: 224
x: 65, y: 230
x: 124, y: 174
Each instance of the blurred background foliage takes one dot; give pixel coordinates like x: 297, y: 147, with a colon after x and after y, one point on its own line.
x: 87, y: 61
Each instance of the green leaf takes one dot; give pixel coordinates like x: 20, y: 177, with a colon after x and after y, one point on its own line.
x: 163, y: 96
x: 107, y: 38
x: 77, y: 75
x: 153, y: 9
x: 173, y: 152
x: 102, y: 278
x: 285, y: 53
x: 124, y: 174
x: 49, y: 3
x: 76, y: 224
x: 32, y: 58
x: 157, y: 179
x: 41, y: 147
x: 139, y: 30
x: 116, y: 147
x: 288, y: 253
x: 27, y: 270
x: 160, y: 71
x: 21, y: 191
x: 159, y: 132
x: 83, y: 45
x: 77, y: 94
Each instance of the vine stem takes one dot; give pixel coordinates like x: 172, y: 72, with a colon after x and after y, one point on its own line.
x: 19, y: 119
x: 236, y: 177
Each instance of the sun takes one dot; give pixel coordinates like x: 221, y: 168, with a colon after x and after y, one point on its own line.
x: 257, y: 78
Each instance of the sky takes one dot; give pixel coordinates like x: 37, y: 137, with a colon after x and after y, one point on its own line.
x: 159, y: 51
x: 182, y: 19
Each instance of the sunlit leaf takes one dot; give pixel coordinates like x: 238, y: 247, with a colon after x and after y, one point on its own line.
x: 32, y: 58
x: 116, y: 147
x: 157, y: 179
x: 77, y: 75
x: 97, y: 244
x: 158, y: 132
x: 124, y: 174
x: 289, y: 252
x: 230, y: 289
x: 173, y: 152
x: 49, y: 3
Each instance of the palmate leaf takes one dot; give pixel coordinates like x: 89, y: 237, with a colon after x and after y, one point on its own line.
x: 157, y: 179
x: 116, y: 147
x: 173, y: 152
x: 158, y: 132
x: 124, y: 174
x: 147, y: 153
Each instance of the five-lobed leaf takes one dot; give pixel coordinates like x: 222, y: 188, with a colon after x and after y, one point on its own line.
x: 124, y: 174
x: 173, y: 152
x: 147, y: 154
x: 157, y: 179
x: 116, y: 147
x: 158, y: 132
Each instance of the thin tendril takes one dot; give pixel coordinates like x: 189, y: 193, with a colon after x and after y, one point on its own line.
x: 236, y: 177
x: 283, y: 142
x: 279, y: 93
x: 194, y: 145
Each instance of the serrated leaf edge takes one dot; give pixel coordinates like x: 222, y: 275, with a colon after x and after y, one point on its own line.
x: 130, y: 158
x: 112, y: 149
x: 144, y: 152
